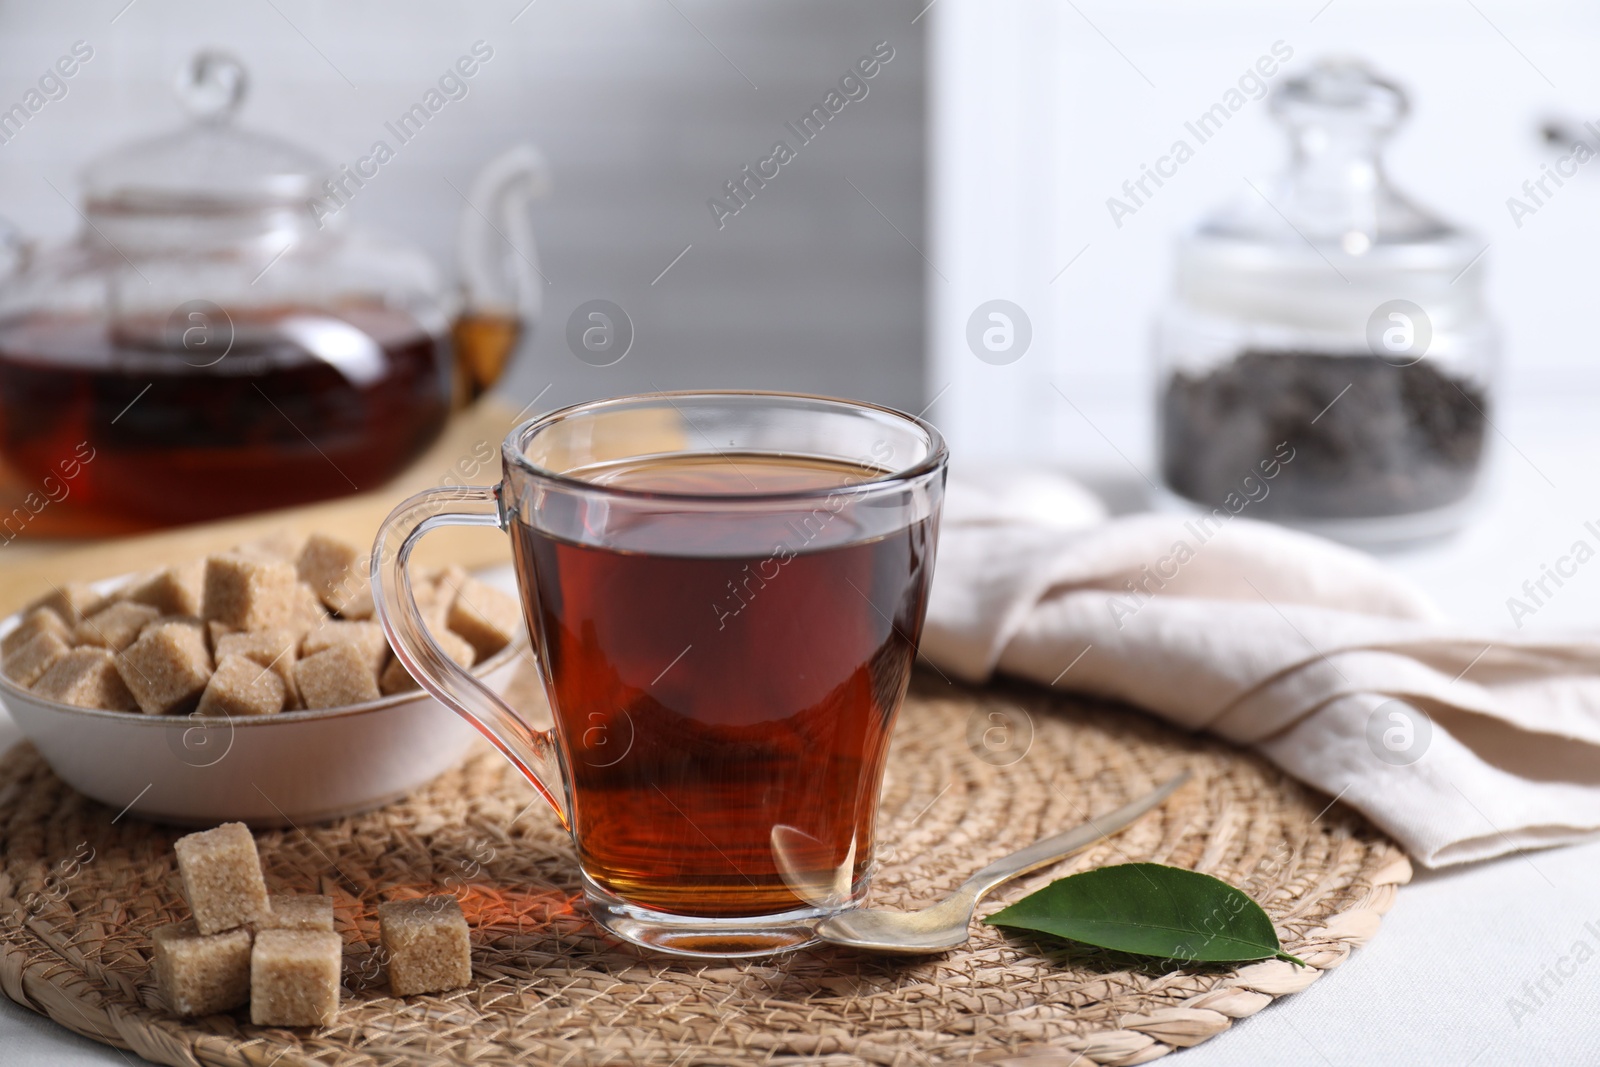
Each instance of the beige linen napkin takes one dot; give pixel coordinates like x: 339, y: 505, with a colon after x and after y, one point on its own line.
x: 1461, y: 744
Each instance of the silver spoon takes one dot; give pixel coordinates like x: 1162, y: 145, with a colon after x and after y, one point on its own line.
x: 945, y: 925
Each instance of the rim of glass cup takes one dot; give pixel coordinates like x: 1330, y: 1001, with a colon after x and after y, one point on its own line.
x: 514, y: 447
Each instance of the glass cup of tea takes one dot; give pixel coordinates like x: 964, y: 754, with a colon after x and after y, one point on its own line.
x: 724, y: 592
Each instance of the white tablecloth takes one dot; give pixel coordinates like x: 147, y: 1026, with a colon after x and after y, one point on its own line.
x: 1454, y: 976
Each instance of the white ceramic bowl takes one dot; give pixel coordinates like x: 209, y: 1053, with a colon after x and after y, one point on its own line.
x: 288, y: 769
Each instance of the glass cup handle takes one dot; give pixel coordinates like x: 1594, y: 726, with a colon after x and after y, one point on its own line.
x: 532, y: 751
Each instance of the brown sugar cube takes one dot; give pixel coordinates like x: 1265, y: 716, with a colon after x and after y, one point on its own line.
x: 264, y: 646
x: 339, y: 675
x: 436, y: 591
x: 25, y: 664
x: 456, y: 647
x: 86, y: 678
x: 294, y: 977
x: 324, y: 561
x: 34, y: 623
x: 241, y: 686
x: 484, y: 616
x: 190, y: 621
x: 396, y: 679
x: 433, y: 606
x: 270, y: 648
x: 172, y: 590
x: 199, y: 974
x: 337, y: 571
x: 72, y: 602
x: 117, y: 626
x: 166, y: 668
x: 216, y: 631
x: 308, y: 612
x: 249, y: 592
x: 125, y: 585
x: 311, y: 911
x: 359, y: 599
x: 447, y: 582
x: 426, y: 946
x: 281, y: 545
x: 448, y: 579
x: 222, y: 877
x: 366, y: 636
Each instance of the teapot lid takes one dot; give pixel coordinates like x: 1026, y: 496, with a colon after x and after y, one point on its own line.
x: 211, y: 165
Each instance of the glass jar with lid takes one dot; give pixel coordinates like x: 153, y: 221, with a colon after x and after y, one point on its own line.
x: 1327, y: 358
x: 216, y: 340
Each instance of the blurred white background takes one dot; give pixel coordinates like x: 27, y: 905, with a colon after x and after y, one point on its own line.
x: 1041, y: 110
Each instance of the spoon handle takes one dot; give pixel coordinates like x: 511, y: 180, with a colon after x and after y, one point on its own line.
x: 1051, y: 849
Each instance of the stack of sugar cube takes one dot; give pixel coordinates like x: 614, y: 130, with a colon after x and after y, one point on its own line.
x: 276, y: 624
x: 280, y: 953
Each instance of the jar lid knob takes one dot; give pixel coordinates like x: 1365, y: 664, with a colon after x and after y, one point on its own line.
x: 1340, y: 94
x: 212, y: 86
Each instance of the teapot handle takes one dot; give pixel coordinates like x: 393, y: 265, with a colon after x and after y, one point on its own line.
x: 497, y: 257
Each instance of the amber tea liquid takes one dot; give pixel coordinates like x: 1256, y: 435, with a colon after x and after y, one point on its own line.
x: 715, y: 679
x: 304, y: 405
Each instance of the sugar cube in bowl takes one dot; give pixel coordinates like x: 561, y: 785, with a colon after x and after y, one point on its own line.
x: 287, y: 767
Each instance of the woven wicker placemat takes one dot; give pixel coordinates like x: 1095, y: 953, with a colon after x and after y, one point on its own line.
x: 81, y: 889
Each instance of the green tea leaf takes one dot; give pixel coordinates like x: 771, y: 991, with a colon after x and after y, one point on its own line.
x: 1150, y: 910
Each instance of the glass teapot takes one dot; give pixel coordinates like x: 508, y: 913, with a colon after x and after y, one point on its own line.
x: 217, y: 341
